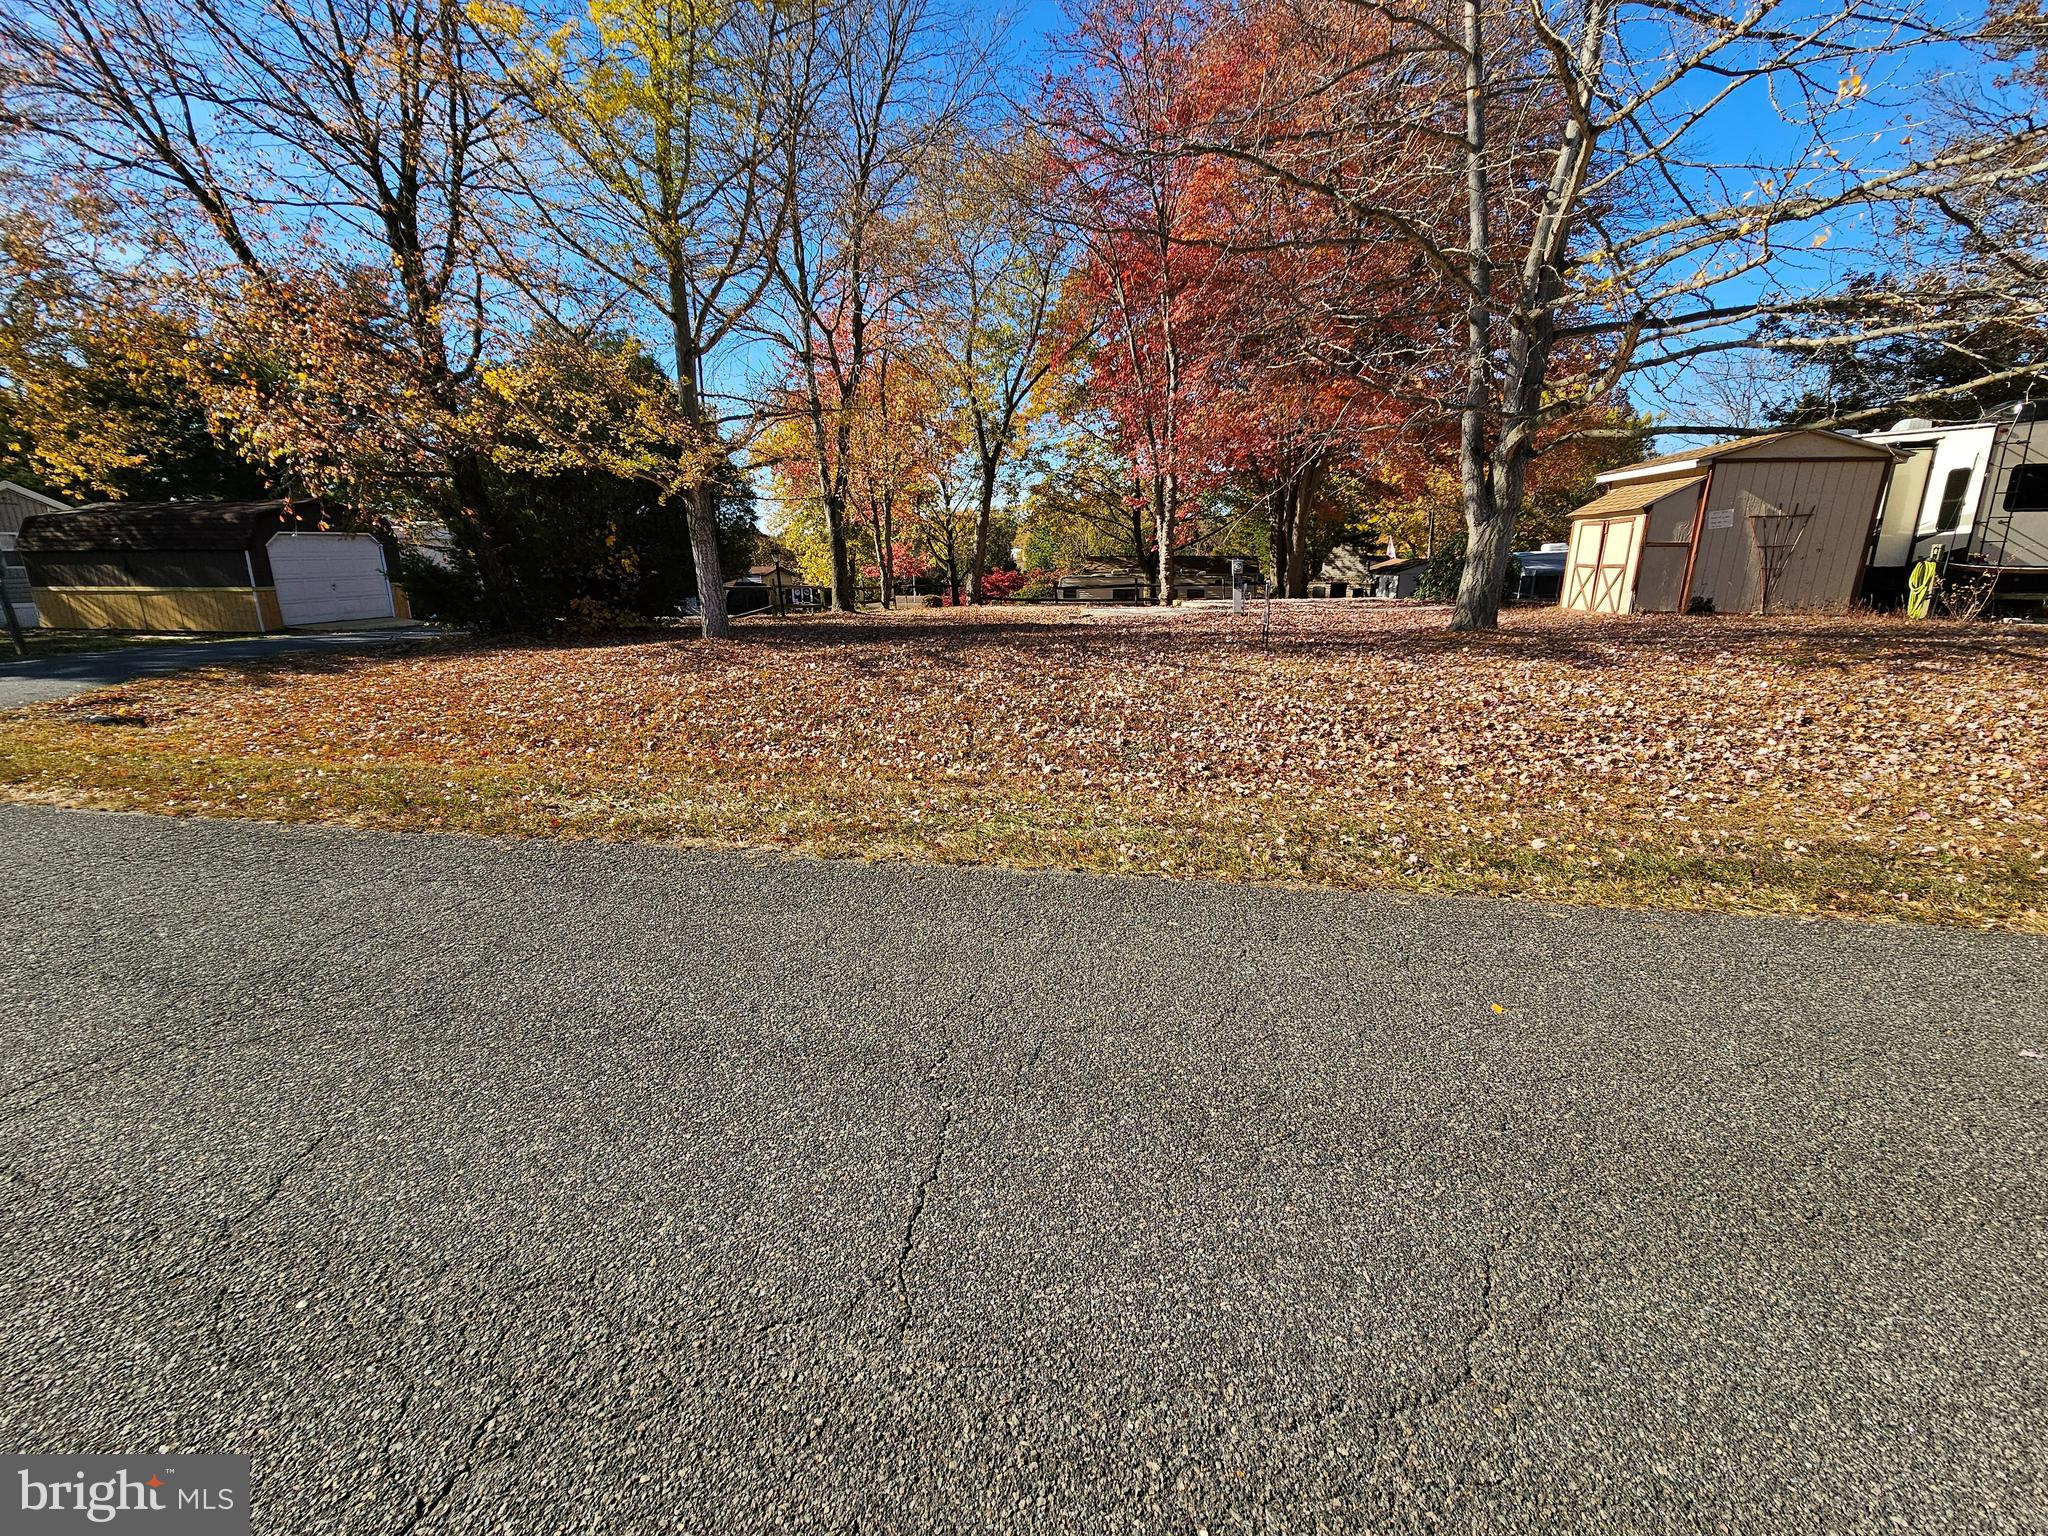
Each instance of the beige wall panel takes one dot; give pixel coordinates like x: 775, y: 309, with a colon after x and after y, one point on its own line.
x: 1660, y: 577
x: 205, y: 610
x: 1671, y: 516
x: 1823, y: 572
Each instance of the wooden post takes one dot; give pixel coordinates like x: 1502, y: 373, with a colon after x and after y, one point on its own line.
x: 255, y: 597
x: 1692, y: 554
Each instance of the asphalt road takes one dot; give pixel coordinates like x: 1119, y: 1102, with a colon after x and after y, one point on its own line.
x: 58, y: 677
x: 482, y: 1186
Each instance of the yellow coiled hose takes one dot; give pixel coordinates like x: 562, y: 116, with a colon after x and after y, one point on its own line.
x: 1920, y: 590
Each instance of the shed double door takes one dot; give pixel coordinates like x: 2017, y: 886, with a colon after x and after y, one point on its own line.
x: 1600, y: 573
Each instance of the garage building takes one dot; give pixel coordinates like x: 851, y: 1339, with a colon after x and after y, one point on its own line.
x: 1780, y: 523
x: 219, y: 567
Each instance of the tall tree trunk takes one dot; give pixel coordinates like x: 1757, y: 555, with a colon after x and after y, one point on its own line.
x: 701, y: 501
x: 1279, y: 528
x: 845, y: 595
x: 984, y: 514
x: 1302, y: 496
x: 885, y: 555
x: 1478, y: 605
x: 713, y: 621
x: 1165, y: 512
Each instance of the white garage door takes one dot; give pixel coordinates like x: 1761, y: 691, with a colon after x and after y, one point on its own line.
x: 329, y: 578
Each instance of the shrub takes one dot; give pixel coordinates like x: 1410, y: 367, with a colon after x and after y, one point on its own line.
x: 1440, y: 577
x: 576, y: 545
x: 594, y: 616
x: 1000, y: 585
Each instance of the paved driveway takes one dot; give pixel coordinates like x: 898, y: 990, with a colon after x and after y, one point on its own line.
x: 58, y: 677
x: 477, y: 1186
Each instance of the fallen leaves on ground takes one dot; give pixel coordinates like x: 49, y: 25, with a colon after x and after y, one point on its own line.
x: 1855, y: 766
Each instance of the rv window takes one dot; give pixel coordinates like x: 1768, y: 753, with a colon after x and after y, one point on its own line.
x: 2027, y: 490
x: 1953, y: 490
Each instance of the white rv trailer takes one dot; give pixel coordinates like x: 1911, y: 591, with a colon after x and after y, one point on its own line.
x: 1972, y: 495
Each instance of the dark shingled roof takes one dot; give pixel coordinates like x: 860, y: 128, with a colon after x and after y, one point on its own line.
x: 166, y: 525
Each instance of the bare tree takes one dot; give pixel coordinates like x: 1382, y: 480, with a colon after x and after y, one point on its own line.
x: 1603, y: 228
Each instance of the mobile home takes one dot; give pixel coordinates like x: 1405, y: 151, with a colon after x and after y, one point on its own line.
x: 17, y: 505
x: 206, y: 566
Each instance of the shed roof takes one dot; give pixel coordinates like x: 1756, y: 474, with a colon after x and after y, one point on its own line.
x: 166, y: 525
x: 18, y: 503
x: 1635, y: 496
x: 1691, y: 458
x: 1348, y: 561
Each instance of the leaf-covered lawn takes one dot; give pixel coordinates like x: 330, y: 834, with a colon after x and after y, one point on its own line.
x: 1862, y: 767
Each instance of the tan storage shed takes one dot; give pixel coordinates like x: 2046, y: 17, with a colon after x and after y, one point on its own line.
x: 1779, y: 523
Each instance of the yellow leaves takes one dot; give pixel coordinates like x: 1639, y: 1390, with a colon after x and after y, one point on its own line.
x: 569, y: 404
x: 497, y: 16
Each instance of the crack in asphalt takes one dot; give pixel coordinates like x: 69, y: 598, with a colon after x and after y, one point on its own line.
x: 234, y: 1221
x: 425, y: 1508
x: 920, y: 1194
x: 913, y: 1216
x: 106, y: 1064
x: 284, y: 1176
x: 113, y: 1063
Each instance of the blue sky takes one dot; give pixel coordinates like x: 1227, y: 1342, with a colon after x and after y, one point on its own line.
x: 1880, y: 128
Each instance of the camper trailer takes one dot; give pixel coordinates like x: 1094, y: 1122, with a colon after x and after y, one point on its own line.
x: 1973, y: 497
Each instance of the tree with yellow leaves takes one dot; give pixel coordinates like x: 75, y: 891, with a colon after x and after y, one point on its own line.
x: 988, y: 307
x: 655, y: 127
x: 95, y: 399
